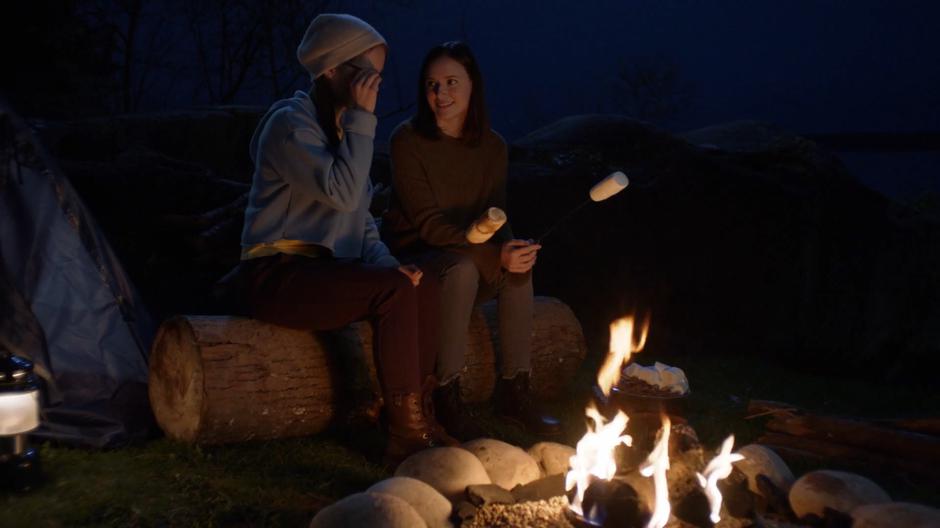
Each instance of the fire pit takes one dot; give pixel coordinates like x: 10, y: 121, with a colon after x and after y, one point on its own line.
x: 654, y: 396
x: 639, y: 465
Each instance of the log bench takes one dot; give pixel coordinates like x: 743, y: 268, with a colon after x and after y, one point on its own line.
x: 222, y: 379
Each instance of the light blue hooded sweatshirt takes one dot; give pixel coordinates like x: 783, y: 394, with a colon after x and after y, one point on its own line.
x: 301, y: 191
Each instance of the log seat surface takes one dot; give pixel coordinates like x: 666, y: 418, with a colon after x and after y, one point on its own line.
x: 223, y: 379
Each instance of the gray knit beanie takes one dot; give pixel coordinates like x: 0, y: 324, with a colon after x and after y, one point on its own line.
x: 331, y: 40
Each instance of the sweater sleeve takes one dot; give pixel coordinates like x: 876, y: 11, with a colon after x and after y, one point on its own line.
x: 410, y: 180
x: 304, y: 159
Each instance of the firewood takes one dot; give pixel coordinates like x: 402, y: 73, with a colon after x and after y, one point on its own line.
x: 860, y: 434
x: 220, y: 379
x: 929, y: 426
x: 757, y: 408
x: 821, y: 452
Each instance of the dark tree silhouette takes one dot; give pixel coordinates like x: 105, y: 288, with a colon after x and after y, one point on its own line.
x: 652, y: 89
x: 227, y: 35
x: 140, y: 42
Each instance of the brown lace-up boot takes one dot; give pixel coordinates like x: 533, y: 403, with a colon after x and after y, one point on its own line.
x: 453, y: 414
x: 430, y: 412
x: 410, y: 429
x: 514, y: 401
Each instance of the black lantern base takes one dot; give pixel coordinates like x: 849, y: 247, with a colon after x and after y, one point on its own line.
x: 22, y: 471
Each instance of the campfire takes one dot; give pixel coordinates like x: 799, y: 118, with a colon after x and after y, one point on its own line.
x: 639, y: 465
x: 595, y: 460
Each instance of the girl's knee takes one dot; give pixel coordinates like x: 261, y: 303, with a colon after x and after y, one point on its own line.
x: 462, y: 270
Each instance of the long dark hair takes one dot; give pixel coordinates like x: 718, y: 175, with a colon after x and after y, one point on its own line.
x: 325, y: 101
x: 478, y: 119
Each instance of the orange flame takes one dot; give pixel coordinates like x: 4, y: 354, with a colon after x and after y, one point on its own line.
x: 595, y: 454
x: 656, y: 465
x: 622, y: 345
x: 719, y: 468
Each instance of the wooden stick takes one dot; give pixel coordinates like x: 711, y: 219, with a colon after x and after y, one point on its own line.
x: 757, y: 408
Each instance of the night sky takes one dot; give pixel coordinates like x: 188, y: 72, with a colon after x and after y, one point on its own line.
x: 810, y: 66
x: 807, y: 65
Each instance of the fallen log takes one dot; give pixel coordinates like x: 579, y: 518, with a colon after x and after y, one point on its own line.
x: 821, y: 452
x: 930, y: 426
x: 860, y: 434
x: 221, y: 379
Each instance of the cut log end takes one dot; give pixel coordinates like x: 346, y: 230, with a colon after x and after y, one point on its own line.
x: 176, y: 380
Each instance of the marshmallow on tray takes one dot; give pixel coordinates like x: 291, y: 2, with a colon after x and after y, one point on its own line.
x: 660, y: 375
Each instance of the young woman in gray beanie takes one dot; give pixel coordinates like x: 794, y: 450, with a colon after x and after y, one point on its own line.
x: 311, y: 254
x: 449, y: 167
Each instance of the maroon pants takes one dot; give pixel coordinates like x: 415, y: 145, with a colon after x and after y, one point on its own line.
x: 326, y: 293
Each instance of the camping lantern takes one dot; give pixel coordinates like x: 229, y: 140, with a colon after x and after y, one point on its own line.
x: 19, y: 414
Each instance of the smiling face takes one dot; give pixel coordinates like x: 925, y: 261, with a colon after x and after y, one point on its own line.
x: 448, y: 88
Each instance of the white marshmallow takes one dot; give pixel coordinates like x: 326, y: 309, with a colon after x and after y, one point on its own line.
x: 660, y: 375
x: 609, y: 186
x: 484, y: 227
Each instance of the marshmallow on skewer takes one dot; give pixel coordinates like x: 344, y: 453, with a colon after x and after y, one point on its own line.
x: 609, y: 186
x: 484, y: 227
x: 602, y: 190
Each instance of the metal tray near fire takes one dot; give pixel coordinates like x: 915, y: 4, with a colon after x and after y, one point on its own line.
x: 636, y: 396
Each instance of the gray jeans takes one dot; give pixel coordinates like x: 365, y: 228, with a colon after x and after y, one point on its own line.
x: 461, y: 290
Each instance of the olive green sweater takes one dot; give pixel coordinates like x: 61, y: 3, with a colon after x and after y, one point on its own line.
x: 440, y: 187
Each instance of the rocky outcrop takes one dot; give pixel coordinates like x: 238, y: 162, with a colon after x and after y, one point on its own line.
x: 740, y: 239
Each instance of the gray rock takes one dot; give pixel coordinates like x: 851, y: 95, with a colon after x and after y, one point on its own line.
x: 837, y: 490
x: 368, y: 509
x: 449, y: 470
x: 761, y: 460
x: 743, y: 136
x: 464, y: 511
x: 552, y: 457
x: 483, y: 494
x: 507, y: 465
x: 433, y: 507
x: 895, y: 514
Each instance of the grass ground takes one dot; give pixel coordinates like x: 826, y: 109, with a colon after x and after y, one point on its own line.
x: 283, y: 483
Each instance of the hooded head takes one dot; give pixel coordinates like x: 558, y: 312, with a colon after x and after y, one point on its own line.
x: 331, y: 40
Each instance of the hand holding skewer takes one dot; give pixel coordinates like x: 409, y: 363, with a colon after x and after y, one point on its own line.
x: 518, y: 256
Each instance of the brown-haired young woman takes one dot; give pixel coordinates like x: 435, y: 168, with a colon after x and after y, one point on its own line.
x: 448, y: 168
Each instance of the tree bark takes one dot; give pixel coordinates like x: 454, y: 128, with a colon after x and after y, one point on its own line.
x: 221, y: 379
